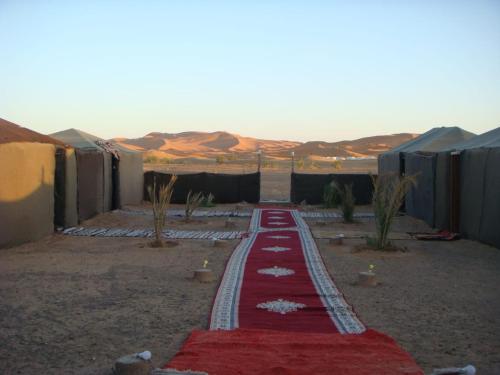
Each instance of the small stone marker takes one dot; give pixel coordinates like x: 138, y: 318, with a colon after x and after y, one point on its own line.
x: 215, y: 242
x: 467, y: 370
x: 337, y: 240
x: 204, y: 275
x: 170, y: 371
x: 230, y: 223
x: 367, y: 279
x: 132, y: 364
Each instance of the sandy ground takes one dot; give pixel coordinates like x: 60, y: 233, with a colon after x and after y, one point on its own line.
x: 117, y: 219
x: 439, y: 300
x: 73, y: 305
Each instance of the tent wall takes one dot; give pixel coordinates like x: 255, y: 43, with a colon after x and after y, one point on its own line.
x: 108, y: 182
x: 71, y: 211
x: 419, y: 200
x: 472, y: 168
x: 490, y: 218
x: 26, y: 192
x: 60, y: 187
x: 310, y: 187
x: 226, y: 188
x: 131, y: 180
x: 90, y: 174
x: 442, y: 200
x: 389, y: 163
x: 480, y: 197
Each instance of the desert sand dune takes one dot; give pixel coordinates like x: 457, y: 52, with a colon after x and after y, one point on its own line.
x: 210, y: 145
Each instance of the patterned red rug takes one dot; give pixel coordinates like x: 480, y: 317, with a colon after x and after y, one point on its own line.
x: 276, y: 279
x: 277, y: 311
x: 259, y: 352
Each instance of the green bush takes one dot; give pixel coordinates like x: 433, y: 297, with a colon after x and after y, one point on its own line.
x: 208, y: 201
x: 388, y: 194
x: 347, y: 203
x: 331, y: 196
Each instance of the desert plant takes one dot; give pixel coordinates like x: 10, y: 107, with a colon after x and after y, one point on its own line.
x: 208, y: 201
x: 219, y: 159
x: 337, y: 164
x: 300, y: 163
x: 151, y: 159
x: 331, y: 197
x: 347, y: 202
x: 193, y: 201
x: 160, y: 198
x: 389, y: 191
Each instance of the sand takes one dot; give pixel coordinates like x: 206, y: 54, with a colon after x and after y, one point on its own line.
x: 439, y: 300
x: 73, y: 305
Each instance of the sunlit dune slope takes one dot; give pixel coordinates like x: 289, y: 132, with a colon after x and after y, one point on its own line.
x: 209, y: 145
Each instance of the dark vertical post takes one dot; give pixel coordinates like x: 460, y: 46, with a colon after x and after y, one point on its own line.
x: 455, y: 192
x: 293, y: 161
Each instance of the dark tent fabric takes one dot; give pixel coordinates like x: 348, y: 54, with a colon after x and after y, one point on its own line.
x: 419, y: 201
x: 442, y: 193
x: 60, y: 188
x: 226, y: 188
x: 490, y: 139
x: 490, y: 220
x: 472, y: 167
x: 90, y: 174
x: 310, y: 187
x: 480, y: 195
x: 434, y: 140
x: 389, y: 163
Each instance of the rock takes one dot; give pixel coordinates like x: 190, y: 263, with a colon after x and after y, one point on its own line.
x: 215, y: 242
x: 176, y: 372
x: 132, y: 365
x: 367, y: 279
x: 204, y: 275
x: 337, y: 240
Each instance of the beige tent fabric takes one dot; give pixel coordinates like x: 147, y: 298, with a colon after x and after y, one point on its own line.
x: 26, y: 192
x: 131, y: 178
x: 71, y: 209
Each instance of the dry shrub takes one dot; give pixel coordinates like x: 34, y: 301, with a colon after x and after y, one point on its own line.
x: 347, y: 203
x: 388, y: 195
x: 161, y: 201
x: 193, y: 201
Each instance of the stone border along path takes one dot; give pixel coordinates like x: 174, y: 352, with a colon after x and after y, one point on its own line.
x: 148, y: 233
x: 246, y: 213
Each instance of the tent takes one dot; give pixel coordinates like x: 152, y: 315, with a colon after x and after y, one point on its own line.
x: 38, y: 187
x: 470, y: 171
x: 419, y: 157
x: 434, y: 140
x: 108, y: 175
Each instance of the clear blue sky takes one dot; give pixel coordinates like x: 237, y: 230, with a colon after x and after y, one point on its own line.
x: 301, y: 70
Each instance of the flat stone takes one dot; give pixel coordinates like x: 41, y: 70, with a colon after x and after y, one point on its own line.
x: 367, y: 279
x: 132, y: 365
x: 204, y: 275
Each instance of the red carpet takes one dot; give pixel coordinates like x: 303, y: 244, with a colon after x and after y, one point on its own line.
x: 276, y: 279
x: 259, y: 352
x: 277, y: 311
